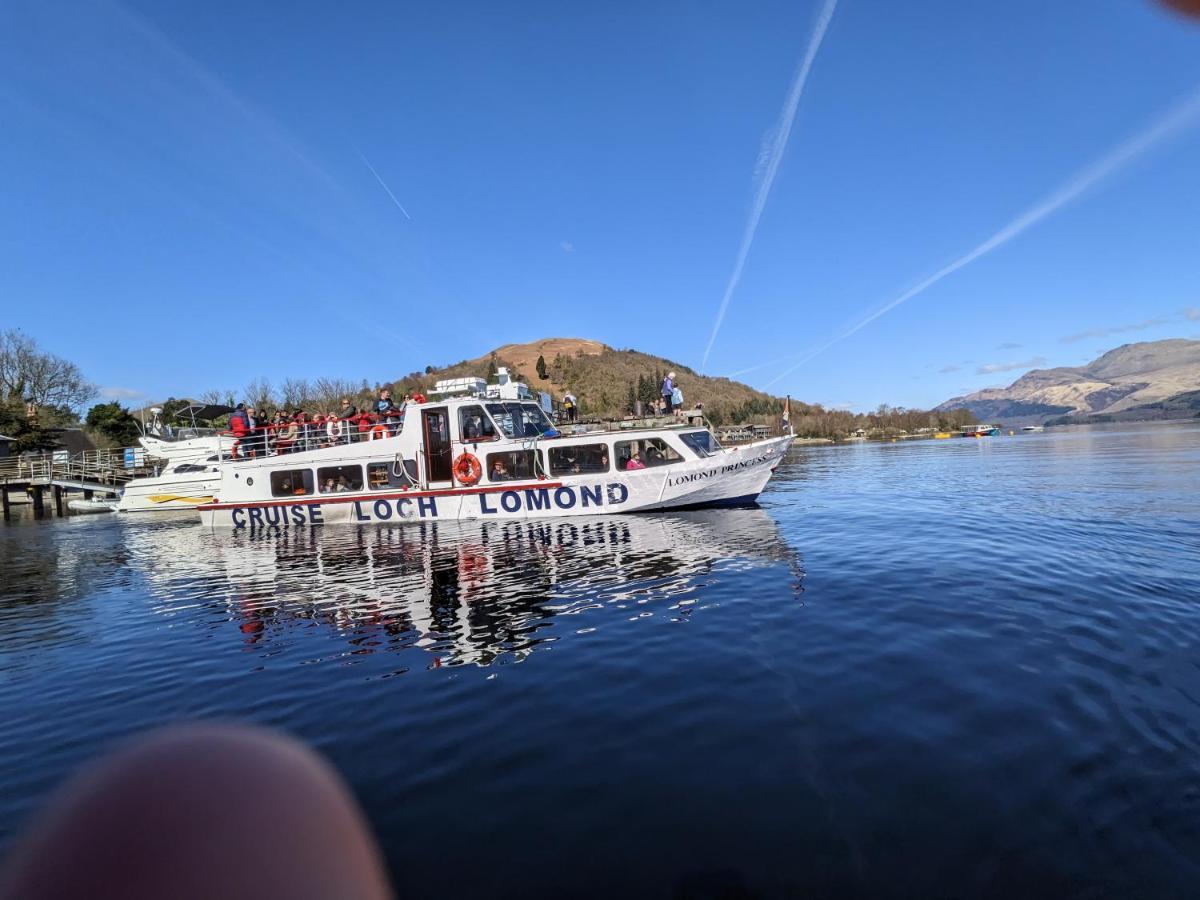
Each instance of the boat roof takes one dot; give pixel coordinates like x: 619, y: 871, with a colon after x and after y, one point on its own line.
x: 205, y: 411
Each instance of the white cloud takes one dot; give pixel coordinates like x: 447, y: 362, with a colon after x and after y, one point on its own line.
x: 993, y: 368
x: 120, y: 393
x: 567, y: 246
x: 1115, y: 329
x: 1192, y: 314
x: 1009, y: 345
x: 946, y: 370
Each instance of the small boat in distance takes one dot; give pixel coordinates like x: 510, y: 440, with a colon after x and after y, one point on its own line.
x: 978, y: 430
x: 479, y: 451
x: 1033, y: 428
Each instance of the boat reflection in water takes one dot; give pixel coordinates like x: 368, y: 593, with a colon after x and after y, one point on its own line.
x: 466, y: 592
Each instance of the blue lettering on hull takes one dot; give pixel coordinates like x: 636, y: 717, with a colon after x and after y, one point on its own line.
x: 535, y: 500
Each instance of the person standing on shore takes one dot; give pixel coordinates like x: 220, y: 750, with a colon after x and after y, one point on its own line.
x: 668, y: 391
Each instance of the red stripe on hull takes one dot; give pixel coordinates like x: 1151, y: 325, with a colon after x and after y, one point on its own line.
x: 319, y: 498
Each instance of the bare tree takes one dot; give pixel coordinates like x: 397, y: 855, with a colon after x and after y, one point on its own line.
x: 260, y: 394
x: 219, y: 397
x: 29, y: 374
x: 327, y: 393
x: 295, y: 393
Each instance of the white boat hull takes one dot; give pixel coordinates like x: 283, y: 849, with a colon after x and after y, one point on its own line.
x: 165, y: 494
x: 730, y: 477
x: 92, y: 506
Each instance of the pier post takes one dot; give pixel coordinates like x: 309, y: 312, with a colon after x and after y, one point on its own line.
x: 58, y: 500
x: 4, y: 498
x: 39, y: 502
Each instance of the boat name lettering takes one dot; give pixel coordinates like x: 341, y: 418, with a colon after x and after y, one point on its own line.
x: 691, y: 477
x: 383, y: 509
x: 565, y: 497
x: 277, y: 516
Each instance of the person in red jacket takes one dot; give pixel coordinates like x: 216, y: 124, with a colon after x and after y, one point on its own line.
x: 239, y: 425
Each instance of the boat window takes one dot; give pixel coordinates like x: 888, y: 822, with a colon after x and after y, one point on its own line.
x: 584, y: 459
x: 513, y: 465
x: 189, y: 467
x: 518, y: 420
x: 649, y: 452
x: 385, y: 475
x: 339, y: 479
x: 291, y: 483
x: 474, y: 424
x: 700, y: 441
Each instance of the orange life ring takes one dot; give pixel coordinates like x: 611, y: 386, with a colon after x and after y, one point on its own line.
x: 418, y: 398
x: 467, y: 469
x: 380, y: 431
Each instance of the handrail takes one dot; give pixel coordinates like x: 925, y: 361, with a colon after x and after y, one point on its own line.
x: 299, y: 437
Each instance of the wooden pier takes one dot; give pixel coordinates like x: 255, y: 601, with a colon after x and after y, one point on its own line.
x: 92, y: 472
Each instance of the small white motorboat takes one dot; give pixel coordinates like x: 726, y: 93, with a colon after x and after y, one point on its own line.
x: 94, y: 505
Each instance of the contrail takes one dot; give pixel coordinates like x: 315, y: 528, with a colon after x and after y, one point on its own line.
x: 773, y: 151
x: 1176, y: 119
x: 383, y: 184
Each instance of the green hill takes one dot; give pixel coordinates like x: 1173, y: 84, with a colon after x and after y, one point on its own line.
x: 605, y: 380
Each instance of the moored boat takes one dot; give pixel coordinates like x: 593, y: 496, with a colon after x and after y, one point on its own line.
x: 92, y: 506
x: 189, y: 472
x: 477, y: 453
x: 978, y: 430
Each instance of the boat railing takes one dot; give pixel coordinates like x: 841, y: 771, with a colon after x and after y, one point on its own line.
x: 299, y: 437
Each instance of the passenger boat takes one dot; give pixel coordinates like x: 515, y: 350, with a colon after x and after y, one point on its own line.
x: 189, y: 472
x: 978, y: 430
x: 478, y: 451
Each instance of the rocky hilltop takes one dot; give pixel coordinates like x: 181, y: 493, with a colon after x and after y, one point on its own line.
x: 1121, y: 383
x: 602, y: 377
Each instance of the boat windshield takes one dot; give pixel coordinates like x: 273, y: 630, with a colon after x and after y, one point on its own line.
x: 519, y: 420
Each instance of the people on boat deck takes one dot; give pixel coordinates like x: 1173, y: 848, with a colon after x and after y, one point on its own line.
x: 387, y: 411
x: 570, y: 405
x: 668, y: 390
x: 256, y: 442
x: 348, y: 409
x: 499, y: 471
x: 635, y: 462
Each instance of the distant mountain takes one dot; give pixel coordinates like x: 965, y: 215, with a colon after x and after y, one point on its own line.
x: 601, y: 377
x: 1123, y: 381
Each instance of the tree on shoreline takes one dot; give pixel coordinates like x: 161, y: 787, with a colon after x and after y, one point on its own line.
x: 30, y: 375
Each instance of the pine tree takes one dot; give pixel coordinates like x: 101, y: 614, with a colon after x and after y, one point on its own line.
x: 541, y: 367
x: 491, y: 372
x: 647, y: 390
x: 631, y: 400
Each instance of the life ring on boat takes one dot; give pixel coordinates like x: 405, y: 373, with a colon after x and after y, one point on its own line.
x: 467, y: 469
x: 333, y: 428
x: 380, y: 431
x: 418, y: 398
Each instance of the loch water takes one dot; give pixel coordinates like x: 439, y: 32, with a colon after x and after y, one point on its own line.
x: 935, y: 668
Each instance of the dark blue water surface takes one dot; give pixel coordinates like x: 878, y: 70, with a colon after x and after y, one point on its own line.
x: 938, y: 668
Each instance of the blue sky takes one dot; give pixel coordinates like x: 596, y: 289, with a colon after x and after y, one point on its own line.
x: 187, y: 201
